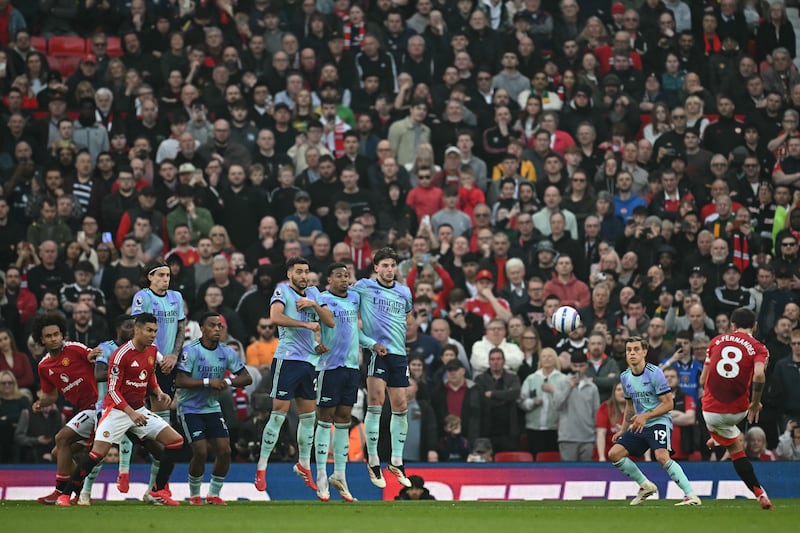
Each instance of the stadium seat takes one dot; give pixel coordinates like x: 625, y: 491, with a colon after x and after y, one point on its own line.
x: 66, y: 65
x: 548, y: 457
x: 114, y: 47
x: 39, y: 43
x: 513, y: 457
x: 65, y: 46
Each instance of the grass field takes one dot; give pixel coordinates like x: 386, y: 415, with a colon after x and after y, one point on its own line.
x: 728, y: 516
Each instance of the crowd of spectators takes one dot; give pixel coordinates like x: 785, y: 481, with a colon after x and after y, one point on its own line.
x: 639, y: 161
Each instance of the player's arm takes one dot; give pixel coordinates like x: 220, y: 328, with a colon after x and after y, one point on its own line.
x: 627, y: 415
x: 704, y: 373
x: 666, y: 405
x: 154, y: 389
x: 100, y: 371
x: 759, y: 378
x: 170, y: 360
x: 325, y: 314
x: 45, y: 399
x: 279, y: 318
x: 242, y: 378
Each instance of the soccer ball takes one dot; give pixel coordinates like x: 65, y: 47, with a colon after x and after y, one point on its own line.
x: 566, y: 319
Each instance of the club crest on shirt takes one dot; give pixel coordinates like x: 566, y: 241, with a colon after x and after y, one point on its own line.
x: 150, y: 361
x: 65, y: 361
x: 106, y: 434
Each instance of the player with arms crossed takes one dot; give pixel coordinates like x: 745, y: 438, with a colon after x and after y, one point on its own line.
x: 647, y: 424
x: 167, y: 307
x: 200, y: 379
x: 337, y: 380
x: 734, y: 361
x: 124, y: 330
x: 296, y: 309
x: 131, y: 376
x: 67, y: 368
x: 385, y: 312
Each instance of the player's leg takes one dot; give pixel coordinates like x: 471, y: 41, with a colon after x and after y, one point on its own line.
x: 307, y: 417
x: 723, y: 429
x: 618, y: 455
x: 282, y: 381
x: 125, y: 454
x: 659, y: 438
x: 162, y: 410
x: 80, y: 426
x: 377, y: 373
x: 172, y: 442
x: 398, y: 426
x: 219, y: 439
x: 322, y: 439
x: 341, y: 448
x: 194, y: 432
x: 85, y: 497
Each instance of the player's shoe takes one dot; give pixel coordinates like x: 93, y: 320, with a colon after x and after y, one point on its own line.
x: 689, y: 500
x: 63, y: 500
x: 376, y: 476
x: 323, y: 491
x: 146, y: 498
x: 261, y: 480
x: 123, y: 482
x: 711, y: 443
x: 764, y: 502
x: 196, y: 500
x: 645, y: 491
x: 305, y: 474
x: 400, y: 474
x: 163, y: 497
x: 74, y: 500
x: 85, y: 499
x: 50, y: 499
x: 340, y: 484
x: 214, y: 500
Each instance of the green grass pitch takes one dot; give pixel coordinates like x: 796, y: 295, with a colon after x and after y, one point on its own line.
x: 725, y: 516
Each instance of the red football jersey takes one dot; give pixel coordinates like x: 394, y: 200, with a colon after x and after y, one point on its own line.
x: 131, y: 374
x: 485, y: 309
x: 730, y: 361
x: 72, y: 374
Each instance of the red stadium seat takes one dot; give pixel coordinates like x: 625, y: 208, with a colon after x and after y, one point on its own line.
x: 66, y: 65
x: 548, y: 457
x: 114, y: 47
x: 64, y: 46
x: 513, y: 457
x: 39, y: 43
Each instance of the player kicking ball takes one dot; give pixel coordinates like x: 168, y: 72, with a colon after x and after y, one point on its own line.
x: 733, y: 362
x: 200, y: 379
x: 647, y: 424
x: 337, y: 380
x: 297, y: 311
x: 67, y: 368
x: 131, y: 376
x: 385, y: 312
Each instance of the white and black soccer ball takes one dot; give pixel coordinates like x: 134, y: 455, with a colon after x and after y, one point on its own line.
x: 566, y: 319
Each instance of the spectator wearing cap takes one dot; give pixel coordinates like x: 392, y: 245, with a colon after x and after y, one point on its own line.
x: 577, y: 399
x: 69, y: 294
x: 457, y: 396
x: 145, y: 207
x: 569, y: 289
x: 581, y: 109
x: 485, y: 303
x: 450, y: 213
x: 731, y: 294
x: 544, y: 260
x: 308, y: 224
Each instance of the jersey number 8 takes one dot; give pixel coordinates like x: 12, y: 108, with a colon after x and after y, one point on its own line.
x: 728, y: 366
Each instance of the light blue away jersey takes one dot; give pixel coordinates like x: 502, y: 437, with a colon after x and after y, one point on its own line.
x: 200, y: 362
x: 296, y: 344
x: 107, y: 348
x: 383, y: 313
x: 645, y: 391
x: 168, y: 310
x: 343, y: 339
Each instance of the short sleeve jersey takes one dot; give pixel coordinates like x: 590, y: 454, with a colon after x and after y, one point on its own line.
x: 71, y: 374
x: 296, y: 344
x: 645, y: 391
x: 131, y: 374
x: 168, y: 310
x: 731, y: 359
x: 343, y: 338
x: 383, y: 313
x: 200, y: 362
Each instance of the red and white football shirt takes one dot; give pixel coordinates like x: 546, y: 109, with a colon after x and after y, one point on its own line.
x: 72, y: 374
x: 730, y: 361
x: 131, y: 374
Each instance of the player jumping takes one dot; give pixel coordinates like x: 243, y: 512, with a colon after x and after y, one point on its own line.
x: 67, y: 368
x: 734, y: 361
x: 337, y: 380
x: 131, y: 376
x: 296, y: 309
x: 385, y: 311
x: 647, y: 424
x: 200, y: 379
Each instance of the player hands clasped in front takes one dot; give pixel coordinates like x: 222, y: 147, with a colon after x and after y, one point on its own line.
x: 67, y: 368
x: 167, y: 306
x: 734, y: 361
x: 131, y: 376
x: 647, y: 424
x: 296, y: 309
x: 385, y: 312
x: 200, y: 379
x: 124, y: 333
x: 337, y: 380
